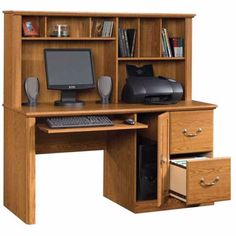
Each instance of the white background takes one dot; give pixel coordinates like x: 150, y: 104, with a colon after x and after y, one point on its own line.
x: 69, y: 185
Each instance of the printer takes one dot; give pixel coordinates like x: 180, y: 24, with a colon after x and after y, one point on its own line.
x: 152, y: 90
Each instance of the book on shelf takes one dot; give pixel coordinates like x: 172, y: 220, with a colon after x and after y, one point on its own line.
x: 127, y: 39
x: 102, y: 28
x: 177, y: 46
x: 171, y: 47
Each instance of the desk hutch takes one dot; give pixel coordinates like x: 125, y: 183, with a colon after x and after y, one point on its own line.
x: 25, y: 132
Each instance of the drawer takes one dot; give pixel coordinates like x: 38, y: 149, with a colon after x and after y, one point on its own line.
x: 200, y: 180
x: 191, y: 131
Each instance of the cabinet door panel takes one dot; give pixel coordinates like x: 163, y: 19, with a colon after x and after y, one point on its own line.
x: 163, y: 158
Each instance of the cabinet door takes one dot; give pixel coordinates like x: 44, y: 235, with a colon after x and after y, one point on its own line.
x: 163, y: 158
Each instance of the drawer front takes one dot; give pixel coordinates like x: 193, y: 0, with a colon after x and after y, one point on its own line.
x: 208, y: 180
x: 191, y: 131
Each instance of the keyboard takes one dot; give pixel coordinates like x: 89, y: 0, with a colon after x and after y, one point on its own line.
x: 78, y: 121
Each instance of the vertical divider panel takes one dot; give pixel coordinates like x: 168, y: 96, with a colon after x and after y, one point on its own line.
x: 45, y: 26
x: 138, y: 37
x: 90, y: 27
x: 116, y: 85
x: 160, y: 38
x: 120, y: 168
x: 188, y: 59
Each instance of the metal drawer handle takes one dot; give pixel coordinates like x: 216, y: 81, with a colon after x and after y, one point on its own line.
x: 191, y: 134
x: 204, y: 184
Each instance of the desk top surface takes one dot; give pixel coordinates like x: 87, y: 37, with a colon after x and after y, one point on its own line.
x: 91, y: 108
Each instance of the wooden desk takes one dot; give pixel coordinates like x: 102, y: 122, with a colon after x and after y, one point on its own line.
x: 23, y: 139
x: 179, y: 130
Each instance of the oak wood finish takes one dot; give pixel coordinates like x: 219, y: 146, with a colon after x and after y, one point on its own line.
x: 209, y: 170
x: 12, y: 65
x: 191, y: 121
x: 78, y: 26
x: 100, y: 14
x: 92, y: 108
x: 68, y: 39
x: 148, y: 49
x: 33, y: 64
x: 163, y: 159
x: 150, y: 32
x: 171, y: 203
x: 24, y: 57
x: 120, y: 168
x: 71, y: 142
x: 19, y: 165
x: 188, y: 61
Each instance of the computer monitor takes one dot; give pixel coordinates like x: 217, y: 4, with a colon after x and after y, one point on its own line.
x: 69, y: 70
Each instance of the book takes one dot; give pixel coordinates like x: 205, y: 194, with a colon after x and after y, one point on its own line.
x: 121, y: 43
x: 164, y: 45
x: 166, y: 35
x: 177, y: 44
x: 104, y: 29
x: 110, y: 28
x: 107, y: 28
x: 127, y: 39
x: 127, y: 49
x: 131, y: 34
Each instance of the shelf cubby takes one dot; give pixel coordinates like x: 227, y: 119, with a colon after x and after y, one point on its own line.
x: 33, y: 65
x: 175, y: 28
x: 150, y: 37
x: 78, y: 26
x: 94, y: 20
x: 169, y: 68
x: 132, y: 23
x: 39, y: 22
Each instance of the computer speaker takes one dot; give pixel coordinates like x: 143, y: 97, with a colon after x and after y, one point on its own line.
x: 32, y: 90
x: 104, y: 88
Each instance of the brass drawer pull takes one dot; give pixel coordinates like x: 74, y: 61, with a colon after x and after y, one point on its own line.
x: 204, y: 184
x: 191, y: 134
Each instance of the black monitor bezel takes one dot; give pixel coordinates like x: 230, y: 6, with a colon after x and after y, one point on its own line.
x: 72, y: 86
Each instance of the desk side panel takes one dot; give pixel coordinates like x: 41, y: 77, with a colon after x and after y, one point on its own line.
x: 120, y: 168
x: 19, y: 165
x: 12, y: 60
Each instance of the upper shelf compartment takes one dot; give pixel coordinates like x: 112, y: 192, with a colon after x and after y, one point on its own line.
x: 68, y: 28
x: 128, y: 37
x: 173, y: 37
x: 77, y: 26
x: 150, y: 35
x: 34, y: 26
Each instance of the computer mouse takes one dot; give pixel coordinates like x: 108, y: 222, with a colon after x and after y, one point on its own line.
x: 129, y: 121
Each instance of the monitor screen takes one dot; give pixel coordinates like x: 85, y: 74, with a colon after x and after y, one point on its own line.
x: 69, y: 69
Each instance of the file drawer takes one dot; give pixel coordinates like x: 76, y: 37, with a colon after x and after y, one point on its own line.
x: 191, y: 131
x: 200, y: 180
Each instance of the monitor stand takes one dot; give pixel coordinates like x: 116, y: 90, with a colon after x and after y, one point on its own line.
x: 68, y: 99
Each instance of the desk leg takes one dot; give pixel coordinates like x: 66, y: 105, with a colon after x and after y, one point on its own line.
x: 120, y: 168
x: 19, y: 165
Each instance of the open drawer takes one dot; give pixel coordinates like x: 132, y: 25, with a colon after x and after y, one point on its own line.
x: 200, y: 180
